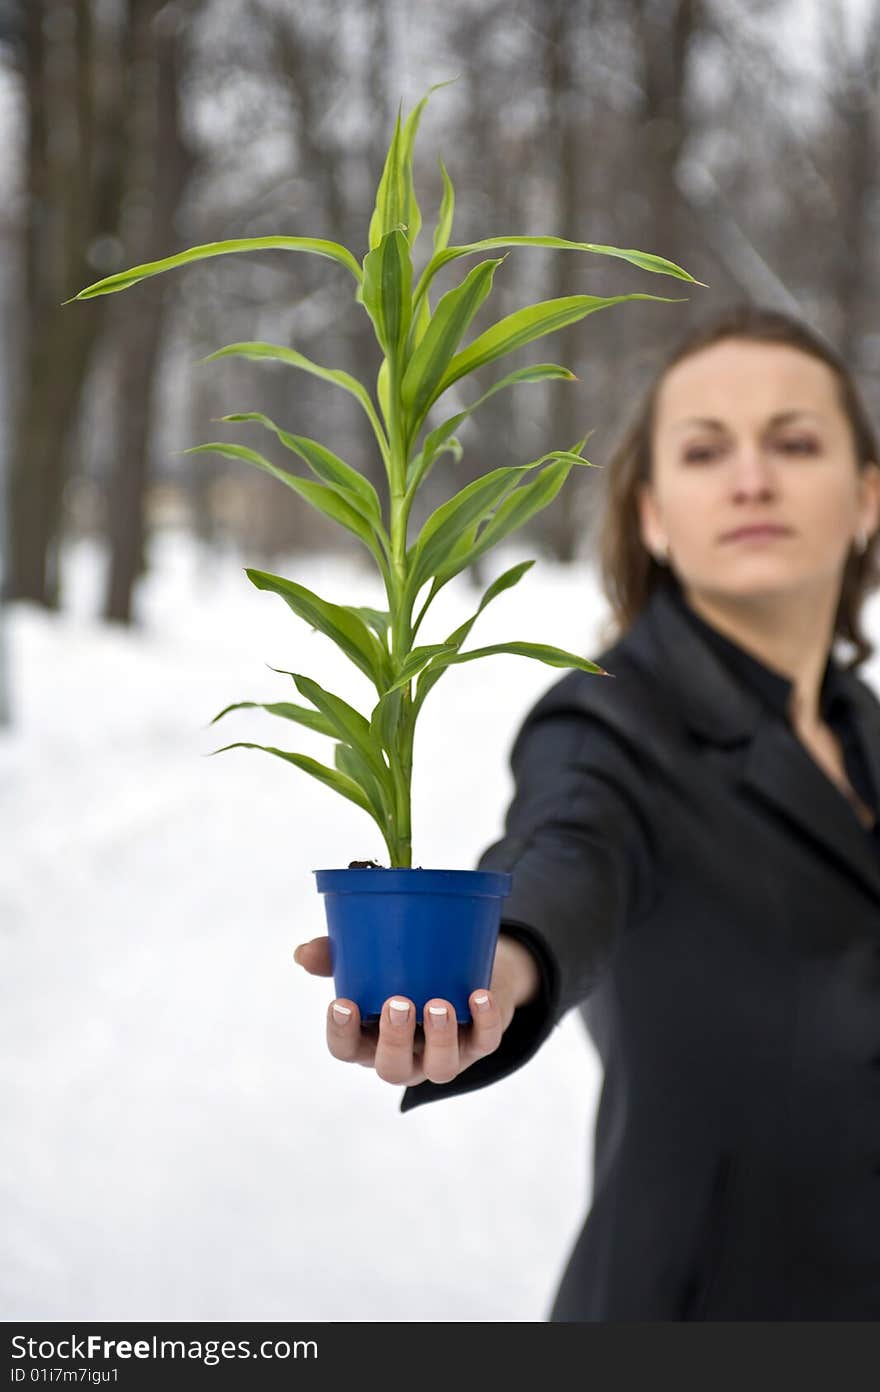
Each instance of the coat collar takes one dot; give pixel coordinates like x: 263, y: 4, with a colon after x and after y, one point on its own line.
x: 776, y: 767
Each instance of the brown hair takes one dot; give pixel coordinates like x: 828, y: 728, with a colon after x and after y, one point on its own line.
x: 628, y: 573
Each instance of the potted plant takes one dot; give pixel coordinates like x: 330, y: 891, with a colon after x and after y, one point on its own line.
x: 398, y: 929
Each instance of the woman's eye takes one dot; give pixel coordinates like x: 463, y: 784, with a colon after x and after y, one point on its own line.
x: 698, y: 453
x: 799, y: 446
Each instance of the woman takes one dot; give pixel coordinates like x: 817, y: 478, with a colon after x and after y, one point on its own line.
x: 695, y: 852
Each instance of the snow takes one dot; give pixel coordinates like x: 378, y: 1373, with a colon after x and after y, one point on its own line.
x: 180, y: 1144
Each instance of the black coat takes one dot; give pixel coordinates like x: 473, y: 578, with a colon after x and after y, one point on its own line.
x: 694, y: 882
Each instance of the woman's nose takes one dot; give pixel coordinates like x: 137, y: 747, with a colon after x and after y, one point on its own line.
x: 752, y: 472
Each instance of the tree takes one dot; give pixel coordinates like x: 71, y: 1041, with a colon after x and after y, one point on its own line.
x: 158, y: 170
x: 74, y: 172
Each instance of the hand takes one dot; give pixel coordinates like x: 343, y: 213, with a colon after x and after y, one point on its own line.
x: 402, y: 1052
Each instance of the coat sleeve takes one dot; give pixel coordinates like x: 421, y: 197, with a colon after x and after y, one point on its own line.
x: 579, y: 844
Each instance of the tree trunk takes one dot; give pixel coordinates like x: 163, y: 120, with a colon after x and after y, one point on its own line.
x: 73, y: 162
x: 854, y: 95
x: 565, y: 519
x: 159, y: 165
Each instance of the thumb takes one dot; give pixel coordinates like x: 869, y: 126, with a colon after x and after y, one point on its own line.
x: 314, y: 956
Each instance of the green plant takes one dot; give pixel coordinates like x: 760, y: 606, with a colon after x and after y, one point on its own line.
x: 421, y: 358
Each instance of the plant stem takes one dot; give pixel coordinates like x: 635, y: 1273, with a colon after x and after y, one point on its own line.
x: 401, y: 632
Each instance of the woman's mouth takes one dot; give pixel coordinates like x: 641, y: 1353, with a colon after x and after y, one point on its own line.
x: 758, y: 532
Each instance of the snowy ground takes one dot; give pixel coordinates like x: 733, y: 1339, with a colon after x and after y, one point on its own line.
x: 179, y: 1143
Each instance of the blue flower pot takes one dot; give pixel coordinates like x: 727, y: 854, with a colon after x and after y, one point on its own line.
x: 412, y: 932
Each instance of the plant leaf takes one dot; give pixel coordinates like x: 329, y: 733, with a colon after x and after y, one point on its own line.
x: 421, y: 323
x: 121, y: 280
x: 311, y: 718
x: 329, y: 501
x: 387, y: 292
x: 513, y: 512
x: 333, y: 725
x: 554, y: 657
x: 451, y: 319
x: 339, y: 782
x: 350, y: 762
x: 390, y: 209
x: 382, y: 392
x: 417, y: 470
x: 379, y: 620
x: 385, y: 718
x: 395, y: 197
x: 415, y: 662
x: 503, y: 582
x: 421, y: 465
x: 326, y: 466
x: 525, y: 325
x: 645, y: 260
x: 472, y: 503
x: 412, y: 215
x: 348, y: 724
x: 350, y: 634
x: 443, y: 230
x: 276, y: 352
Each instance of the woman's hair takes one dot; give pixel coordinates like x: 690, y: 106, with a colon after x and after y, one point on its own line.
x: 628, y: 573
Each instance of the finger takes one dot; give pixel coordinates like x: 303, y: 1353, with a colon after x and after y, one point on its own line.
x: 367, y: 1057
x: 394, y: 1051
x: 314, y: 956
x: 440, y: 1061
x: 345, y: 1039
x: 483, y: 1035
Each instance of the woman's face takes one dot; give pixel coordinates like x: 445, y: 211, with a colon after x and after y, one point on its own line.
x: 748, y: 433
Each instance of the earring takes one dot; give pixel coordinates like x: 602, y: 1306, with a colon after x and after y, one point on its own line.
x: 862, y: 541
x: 662, y: 556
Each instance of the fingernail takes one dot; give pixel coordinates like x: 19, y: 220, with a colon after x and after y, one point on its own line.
x: 481, y: 1002
x: 341, y: 1014
x: 399, y: 1011
x: 439, y: 1014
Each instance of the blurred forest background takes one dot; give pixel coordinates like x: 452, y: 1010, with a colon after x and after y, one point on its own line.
x: 739, y: 138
